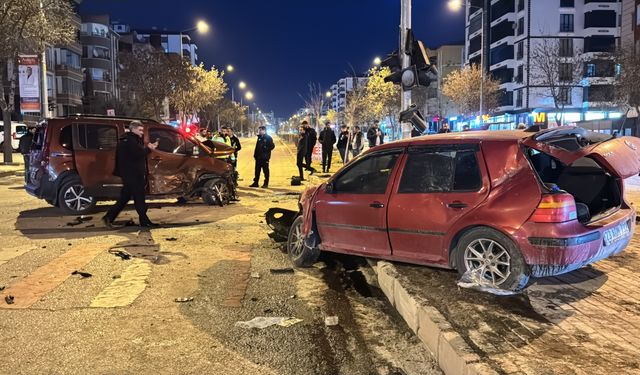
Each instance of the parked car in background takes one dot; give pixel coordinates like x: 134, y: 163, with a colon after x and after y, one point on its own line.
x: 506, y: 205
x: 18, y: 129
x: 73, y: 160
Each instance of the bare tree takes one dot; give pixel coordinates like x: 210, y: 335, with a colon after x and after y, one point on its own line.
x: 557, y: 67
x: 27, y: 26
x: 627, y: 83
x: 314, y: 101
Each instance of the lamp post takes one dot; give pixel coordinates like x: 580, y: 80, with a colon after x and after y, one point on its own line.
x: 201, y: 26
x: 377, y: 61
x: 456, y: 5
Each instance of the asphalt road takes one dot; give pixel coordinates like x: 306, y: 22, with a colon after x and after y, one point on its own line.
x: 128, y: 318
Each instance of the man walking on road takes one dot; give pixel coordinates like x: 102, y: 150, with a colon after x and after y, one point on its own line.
x: 311, y: 137
x: 375, y: 135
x: 262, y: 154
x: 131, y: 166
x: 24, y: 146
x: 343, y: 142
x: 327, y: 140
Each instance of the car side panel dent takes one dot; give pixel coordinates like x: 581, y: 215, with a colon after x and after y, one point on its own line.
x: 307, y: 200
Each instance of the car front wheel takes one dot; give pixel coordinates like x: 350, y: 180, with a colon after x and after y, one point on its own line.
x: 493, y: 258
x: 216, y: 191
x: 74, y: 199
x: 301, y: 255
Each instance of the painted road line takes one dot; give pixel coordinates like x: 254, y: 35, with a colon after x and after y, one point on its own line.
x: 9, y: 253
x: 43, y: 280
x: 125, y: 290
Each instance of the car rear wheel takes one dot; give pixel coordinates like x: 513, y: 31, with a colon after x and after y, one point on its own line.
x: 301, y: 255
x: 74, y: 199
x: 216, y: 191
x: 493, y: 257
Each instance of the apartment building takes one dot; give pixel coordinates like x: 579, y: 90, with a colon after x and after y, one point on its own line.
x: 99, y: 59
x: 167, y: 41
x: 515, y: 28
x: 630, y: 28
x: 340, y: 89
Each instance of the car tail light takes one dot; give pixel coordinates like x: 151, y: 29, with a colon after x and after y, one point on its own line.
x: 555, y: 208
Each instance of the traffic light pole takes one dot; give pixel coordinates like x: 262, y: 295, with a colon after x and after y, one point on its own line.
x: 405, y: 26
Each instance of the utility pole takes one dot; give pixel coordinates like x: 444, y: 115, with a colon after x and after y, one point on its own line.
x: 405, y: 26
x: 43, y: 75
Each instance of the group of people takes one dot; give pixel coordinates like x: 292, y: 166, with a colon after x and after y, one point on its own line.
x: 227, y: 136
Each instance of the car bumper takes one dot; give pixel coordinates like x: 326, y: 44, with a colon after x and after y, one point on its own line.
x: 554, y: 249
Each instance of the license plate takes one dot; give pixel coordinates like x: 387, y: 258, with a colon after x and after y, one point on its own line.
x: 616, y: 233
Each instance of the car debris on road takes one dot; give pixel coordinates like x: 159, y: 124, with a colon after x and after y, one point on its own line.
x: 261, y: 322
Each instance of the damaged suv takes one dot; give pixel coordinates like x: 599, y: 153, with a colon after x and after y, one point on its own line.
x: 505, y: 205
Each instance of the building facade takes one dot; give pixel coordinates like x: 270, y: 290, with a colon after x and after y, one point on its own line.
x: 446, y: 58
x: 630, y: 28
x: 340, y: 89
x: 515, y: 29
x: 167, y: 41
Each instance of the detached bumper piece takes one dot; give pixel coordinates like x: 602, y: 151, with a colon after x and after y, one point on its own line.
x: 280, y: 220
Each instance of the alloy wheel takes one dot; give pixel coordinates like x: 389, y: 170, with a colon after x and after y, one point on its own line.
x: 76, y: 198
x: 489, y: 259
x: 296, y: 243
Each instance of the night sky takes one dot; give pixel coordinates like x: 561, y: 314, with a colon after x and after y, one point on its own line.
x: 279, y: 46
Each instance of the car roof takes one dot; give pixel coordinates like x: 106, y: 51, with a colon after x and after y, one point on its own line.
x: 463, y: 137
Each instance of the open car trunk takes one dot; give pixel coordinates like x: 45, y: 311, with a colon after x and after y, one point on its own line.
x: 588, y: 165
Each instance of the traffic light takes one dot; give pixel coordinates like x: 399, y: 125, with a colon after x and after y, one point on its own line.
x: 420, y: 71
x: 414, y: 117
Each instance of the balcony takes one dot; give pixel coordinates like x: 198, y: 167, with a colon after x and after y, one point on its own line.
x: 500, y: 54
x: 501, y: 31
x: 501, y: 8
x: 600, y: 43
x: 591, y: 6
x: 598, y: 95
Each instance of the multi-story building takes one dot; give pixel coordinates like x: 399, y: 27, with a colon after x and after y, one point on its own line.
x: 630, y: 28
x: 446, y: 58
x: 515, y: 28
x: 167, y: 41
x: 99, y: 59
x: 341, y: 88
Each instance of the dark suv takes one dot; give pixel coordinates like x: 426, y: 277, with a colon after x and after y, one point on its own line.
x: 73, y: 159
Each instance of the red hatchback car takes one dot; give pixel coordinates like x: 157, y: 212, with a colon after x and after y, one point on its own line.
x: 507, y: 205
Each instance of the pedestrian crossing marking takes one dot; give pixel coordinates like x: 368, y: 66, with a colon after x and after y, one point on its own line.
x: 43, y: 280
x: 9, y: 253
x: 123, y: 291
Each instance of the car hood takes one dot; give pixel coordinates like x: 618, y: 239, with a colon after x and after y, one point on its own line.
x: 620, y: 156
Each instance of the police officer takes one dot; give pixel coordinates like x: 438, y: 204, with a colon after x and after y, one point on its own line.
x: 131, y: 166
x: 262, y: 154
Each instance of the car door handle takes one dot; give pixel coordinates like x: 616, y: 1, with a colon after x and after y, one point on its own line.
x: 457, y: 205
x: 377, y: 205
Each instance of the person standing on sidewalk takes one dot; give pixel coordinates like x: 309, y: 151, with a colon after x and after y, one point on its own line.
x: 375, y: 135
x: 327, y: 140
x: 343, y: 142
x: 262, y: 155
x: 312, y: 137
x: 131, y: 166
x: 235, y: 143
x: 301, y: 152
x: 24, y: 146
x: 356, y: 142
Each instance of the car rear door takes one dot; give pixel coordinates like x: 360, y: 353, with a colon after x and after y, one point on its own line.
x: 168, y: 165
x: 437, y: 186
x: 620, y: 156
x: 94, y: 155
x: 352, y: 215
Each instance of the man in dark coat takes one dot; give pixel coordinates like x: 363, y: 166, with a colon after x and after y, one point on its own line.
x: 375, y: 135
x: 235, y: 143
x: 312, y: 137
x: 327, y: 140
x: 343, y: 142
x: 24, y: 146
x: 262, y: 154
x: 131, y: 166
x: 301, y: 151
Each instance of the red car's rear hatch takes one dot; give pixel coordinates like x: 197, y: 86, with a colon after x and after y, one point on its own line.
x: 620, y: 156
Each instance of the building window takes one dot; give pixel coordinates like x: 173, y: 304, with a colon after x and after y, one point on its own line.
x: 519, y: 98
x: 520, y: 5
x: 98, y: 74
x: 638, y: 15
x: 521, y: 26
x: 566, y: 23
x: 520, y: 74
x: 590, y: 70
x: 566, y: 48
x: 564, y: 96
x: 565, y: 73
x: 520, y: 50
x: 566, y: 3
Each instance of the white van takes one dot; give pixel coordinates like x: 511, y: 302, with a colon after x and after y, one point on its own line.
x: 18, y: 129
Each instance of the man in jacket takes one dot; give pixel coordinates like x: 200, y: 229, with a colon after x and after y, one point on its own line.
x: 375, y: 135
x: 131, y: 166
x: 356, y: 142
x: 343, y: 142
x: 24, y: 146
x: 301, y: 152
x: 312, y: 137
x: 235, y: 143
x: 262, y: 154
x: 444, y: 129
x: 327, y: 140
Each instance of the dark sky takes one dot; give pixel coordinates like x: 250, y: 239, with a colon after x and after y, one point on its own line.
x: 279, y: 46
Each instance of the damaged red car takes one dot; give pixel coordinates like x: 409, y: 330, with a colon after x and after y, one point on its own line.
x: 507, y: 205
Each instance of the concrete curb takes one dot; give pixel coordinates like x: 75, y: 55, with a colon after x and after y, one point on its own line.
x: 449, y: 349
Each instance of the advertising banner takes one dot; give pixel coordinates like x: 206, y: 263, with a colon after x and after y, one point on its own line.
x: 29, y: 83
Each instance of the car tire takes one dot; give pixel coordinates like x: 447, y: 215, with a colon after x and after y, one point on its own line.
x: 495, y: 256
x: 216, y: 191
x: 301, y: 255
x: 73, y: 198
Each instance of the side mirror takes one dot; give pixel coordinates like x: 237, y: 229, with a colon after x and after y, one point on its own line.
x: 329, y: 188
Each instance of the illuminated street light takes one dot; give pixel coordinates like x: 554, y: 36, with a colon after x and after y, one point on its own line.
x: 455, y: 5
x: 248, y: 95
x: 242, y: 85
x: 328, y: 94
x: 230, y: 68
x: 377, y: 61
x: 202, y: 27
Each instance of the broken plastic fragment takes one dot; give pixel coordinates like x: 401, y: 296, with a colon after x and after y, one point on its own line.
x: 472, y: 279
x: 255, y: 275
x: 183, y: 299
x: 9, y: 299
x: 261, y: 322
x: 331, y: 321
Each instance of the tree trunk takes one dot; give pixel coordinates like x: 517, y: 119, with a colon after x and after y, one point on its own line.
x: 7, y: 108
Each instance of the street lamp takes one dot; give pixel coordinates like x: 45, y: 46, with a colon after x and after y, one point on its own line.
x: 242, y: 85
x: 248, y: 95
x: 328, y: 94
x: 377, y: 61
x: 456, y: 5
x: 201, y: 26
x: 230, y: 68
